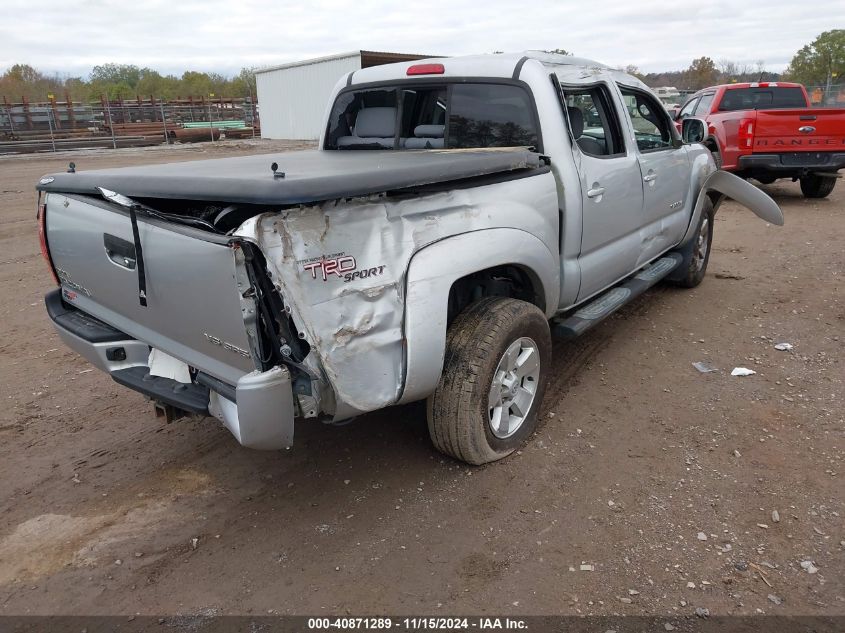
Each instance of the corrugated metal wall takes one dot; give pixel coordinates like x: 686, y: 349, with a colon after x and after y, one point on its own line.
x: 293, y: 100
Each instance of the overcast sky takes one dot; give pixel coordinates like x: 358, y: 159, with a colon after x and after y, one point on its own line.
x: 213, y: 35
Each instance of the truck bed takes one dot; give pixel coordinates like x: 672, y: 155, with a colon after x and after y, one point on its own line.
x: 799, y: 130
x: 309, y: 176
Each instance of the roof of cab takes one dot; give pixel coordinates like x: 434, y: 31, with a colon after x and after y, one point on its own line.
x: 758, y: 84
x: 569, y: 69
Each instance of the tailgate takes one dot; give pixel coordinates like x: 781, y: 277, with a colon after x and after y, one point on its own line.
x: 194, y: 308
x: 810, y: 129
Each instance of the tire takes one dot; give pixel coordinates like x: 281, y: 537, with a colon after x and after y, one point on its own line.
x: 480, y: 345
x: 813, y: 186
x: 717, y: 156
x: 699, y: 255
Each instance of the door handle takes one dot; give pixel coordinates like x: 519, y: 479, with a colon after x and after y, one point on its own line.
x: 650, y: 177
x: 595, y: 192
x: 121, y: 252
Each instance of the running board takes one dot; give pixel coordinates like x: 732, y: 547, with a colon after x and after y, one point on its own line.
x: 602, y: 307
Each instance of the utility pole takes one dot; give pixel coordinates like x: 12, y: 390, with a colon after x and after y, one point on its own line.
x: 164, y: 121
x: 111, y: 124
x: 210, y: 128
x: 829, y: 73
x: 11, y: 120
x: 50, y: 123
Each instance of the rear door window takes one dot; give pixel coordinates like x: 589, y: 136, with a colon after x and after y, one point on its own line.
x: 593, y: 121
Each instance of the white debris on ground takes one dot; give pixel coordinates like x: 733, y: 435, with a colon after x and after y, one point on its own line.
x: 742, y: 371
x: 809, y: 567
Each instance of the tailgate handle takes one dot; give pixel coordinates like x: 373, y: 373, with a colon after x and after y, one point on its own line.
x: 121, y: 252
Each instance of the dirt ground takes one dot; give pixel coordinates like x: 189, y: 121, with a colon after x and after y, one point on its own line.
x: 650, y: 488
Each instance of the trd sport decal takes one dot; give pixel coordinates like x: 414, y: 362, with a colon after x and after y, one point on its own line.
x: 340, y: 264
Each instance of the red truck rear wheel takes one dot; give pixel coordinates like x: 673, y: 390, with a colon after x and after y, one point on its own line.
x: 717, y: 157
x: 813, y: 186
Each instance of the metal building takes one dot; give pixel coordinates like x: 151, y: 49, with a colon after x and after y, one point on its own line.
x: 293, y: 97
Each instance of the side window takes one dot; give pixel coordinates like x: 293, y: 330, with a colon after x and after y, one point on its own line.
x: 704, y: 104
x: 651, y: 123
x: 491, y: 115
x: 593, y: 121
x: 688, y: 108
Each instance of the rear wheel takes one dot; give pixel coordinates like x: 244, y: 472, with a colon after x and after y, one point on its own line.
x: 498, y: 352
x: 813, y: 186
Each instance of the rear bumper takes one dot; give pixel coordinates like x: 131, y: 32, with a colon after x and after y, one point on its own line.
x: 258, y: 411
x: 793, y: 163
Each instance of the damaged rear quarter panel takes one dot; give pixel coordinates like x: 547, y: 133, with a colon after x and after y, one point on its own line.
x: 341, y: 269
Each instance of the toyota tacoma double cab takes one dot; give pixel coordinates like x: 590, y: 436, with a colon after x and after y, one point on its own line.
x: 457, y: 214
x: 769, y: 130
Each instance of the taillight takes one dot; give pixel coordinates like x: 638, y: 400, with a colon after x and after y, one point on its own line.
x: 745, y: 136
x: 42, y: 238
x: 426, y: 69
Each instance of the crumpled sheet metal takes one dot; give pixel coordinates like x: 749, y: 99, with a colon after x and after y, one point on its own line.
x: 354, y: 322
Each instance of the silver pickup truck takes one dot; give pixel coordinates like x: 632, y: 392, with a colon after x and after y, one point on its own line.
x: 458, y: 214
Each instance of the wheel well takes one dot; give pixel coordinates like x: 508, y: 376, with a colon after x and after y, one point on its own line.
x: 500, y: 281
x: 716, y: 197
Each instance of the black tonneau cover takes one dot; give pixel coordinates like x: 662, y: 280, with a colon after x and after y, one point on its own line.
x: 310, y: 176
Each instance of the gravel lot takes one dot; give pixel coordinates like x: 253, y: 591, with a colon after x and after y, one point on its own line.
x: 650, y: 489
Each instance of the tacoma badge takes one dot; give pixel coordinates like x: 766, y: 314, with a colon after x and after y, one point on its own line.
x: 220, y: 342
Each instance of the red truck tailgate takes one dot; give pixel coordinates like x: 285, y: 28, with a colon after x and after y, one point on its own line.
x: 806, y: 129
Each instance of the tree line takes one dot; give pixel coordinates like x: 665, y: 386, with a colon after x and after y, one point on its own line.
x: 122, y: 81
x: 703, y: 72
x: 820, y: 62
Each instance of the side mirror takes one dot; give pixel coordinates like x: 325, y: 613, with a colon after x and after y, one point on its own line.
x: 693, y: 130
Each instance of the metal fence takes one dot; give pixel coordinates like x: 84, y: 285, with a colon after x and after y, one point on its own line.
x: 56, y: 125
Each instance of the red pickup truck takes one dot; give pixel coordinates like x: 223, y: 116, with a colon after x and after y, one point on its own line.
x: 769, y: 130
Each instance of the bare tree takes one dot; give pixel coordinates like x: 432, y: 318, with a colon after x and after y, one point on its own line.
x: 727, y: 68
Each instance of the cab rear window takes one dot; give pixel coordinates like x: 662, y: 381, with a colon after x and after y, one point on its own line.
x: 440, y: 116
x: 768, y: 98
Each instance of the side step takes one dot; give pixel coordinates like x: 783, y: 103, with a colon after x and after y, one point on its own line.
x: 603, y: 306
